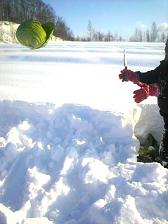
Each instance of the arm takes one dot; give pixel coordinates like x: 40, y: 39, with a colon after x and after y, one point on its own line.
x: 150, y: 77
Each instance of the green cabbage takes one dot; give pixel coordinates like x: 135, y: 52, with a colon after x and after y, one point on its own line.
x: 33, y: 35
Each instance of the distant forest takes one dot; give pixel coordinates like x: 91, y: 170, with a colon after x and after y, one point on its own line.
x: 18, y: 11
x: 152, y: 34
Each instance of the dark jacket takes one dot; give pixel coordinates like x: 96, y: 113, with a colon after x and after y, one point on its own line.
x: 160, y: 76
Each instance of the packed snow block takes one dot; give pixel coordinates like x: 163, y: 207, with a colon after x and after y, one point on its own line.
x: 9, y: 217
x: 150, y: 122
x: 41, y: 220
x: 6, y: 215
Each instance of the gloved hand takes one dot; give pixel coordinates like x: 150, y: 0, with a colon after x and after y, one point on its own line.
x: 145, y: 91
x: 128, y: 75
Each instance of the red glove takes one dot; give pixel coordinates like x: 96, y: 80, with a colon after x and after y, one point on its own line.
x: 145, y: 91
x: 128, y: 75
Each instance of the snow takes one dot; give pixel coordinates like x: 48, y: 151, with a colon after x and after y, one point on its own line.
x: 67, y: 136
x: 8, y: 31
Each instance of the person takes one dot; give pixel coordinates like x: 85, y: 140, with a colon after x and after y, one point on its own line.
x: 154, y: 83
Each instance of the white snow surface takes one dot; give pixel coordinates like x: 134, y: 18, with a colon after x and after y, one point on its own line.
x: 67, y: 136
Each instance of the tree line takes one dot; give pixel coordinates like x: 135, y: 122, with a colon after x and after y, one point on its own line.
x: 18, y: 11
x: 151, y: 34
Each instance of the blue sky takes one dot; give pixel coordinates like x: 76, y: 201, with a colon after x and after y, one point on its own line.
x: 117, y: 16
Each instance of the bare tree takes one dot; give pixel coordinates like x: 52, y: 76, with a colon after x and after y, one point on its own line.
x: 148, y: 39
x: 154, y: 32
x: 163, y: 37
x: 108, y: 36
x: 90, y: 31
x: 62, y: 30
x: 21, y: 10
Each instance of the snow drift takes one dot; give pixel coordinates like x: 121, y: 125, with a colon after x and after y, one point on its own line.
x: 74, y: 164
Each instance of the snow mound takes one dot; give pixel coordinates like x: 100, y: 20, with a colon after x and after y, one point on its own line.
x: 75, y: 165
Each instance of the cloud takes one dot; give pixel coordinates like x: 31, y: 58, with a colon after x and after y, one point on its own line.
x: 140, y: 25
x: 163, y: 27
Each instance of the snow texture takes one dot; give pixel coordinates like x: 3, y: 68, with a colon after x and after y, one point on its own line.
x: 67, y: 141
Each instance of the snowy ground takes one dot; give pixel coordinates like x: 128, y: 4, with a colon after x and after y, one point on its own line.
x: 67, y: 145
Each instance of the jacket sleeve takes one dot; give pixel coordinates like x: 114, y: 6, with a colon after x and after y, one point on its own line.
x: 150, y: 77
